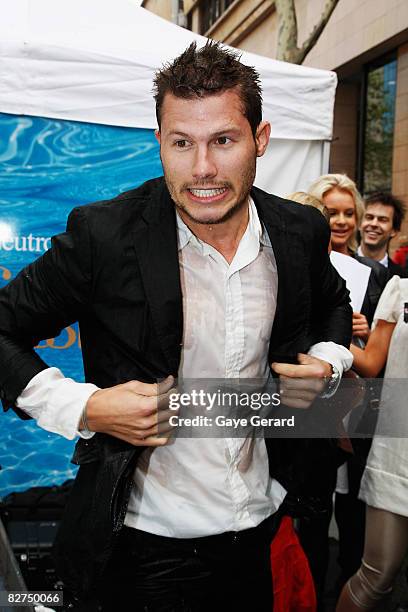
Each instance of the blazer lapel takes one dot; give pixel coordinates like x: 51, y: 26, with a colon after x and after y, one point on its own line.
x: 290, y: 328
x: 155, y: 242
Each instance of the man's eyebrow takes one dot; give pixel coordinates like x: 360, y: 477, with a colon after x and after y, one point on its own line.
x: 380, y: 217
x: 226, y: 130
x: 177, y: 133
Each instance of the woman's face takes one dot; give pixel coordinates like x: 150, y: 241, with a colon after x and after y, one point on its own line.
x: 343, y: 219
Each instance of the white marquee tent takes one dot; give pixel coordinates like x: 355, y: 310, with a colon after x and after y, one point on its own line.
x: 93, y: 61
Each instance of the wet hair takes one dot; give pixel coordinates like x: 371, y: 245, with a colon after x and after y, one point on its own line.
x: 209, y: 70
x: 380, y: 197
x: 326, y: 183
x: 302, y: 197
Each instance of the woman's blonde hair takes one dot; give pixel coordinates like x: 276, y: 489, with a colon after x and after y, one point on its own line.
x: 302, y: 197
x: 340, y: 181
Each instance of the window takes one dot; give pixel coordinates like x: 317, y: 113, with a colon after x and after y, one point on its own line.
x: 210, y: 11
x: 378, y: 133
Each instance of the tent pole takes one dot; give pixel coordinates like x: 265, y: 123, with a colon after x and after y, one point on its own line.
x: 325, y: 157
x: 174, y: 11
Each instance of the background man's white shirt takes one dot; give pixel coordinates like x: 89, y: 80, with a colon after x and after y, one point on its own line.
x: 383, y: 261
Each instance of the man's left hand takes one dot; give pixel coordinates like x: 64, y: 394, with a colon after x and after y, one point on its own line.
x: 301, y: 383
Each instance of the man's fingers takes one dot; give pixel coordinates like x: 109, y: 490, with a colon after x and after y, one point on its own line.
x: 150, y: 389
x: 297, y: 402
x: 159, y: 416
x: 317, y: 367
x: 298, y: 371
x: 155, y: 441
x: 302, y: 384
x: 162, y: 429
x: 140, y: 433
x: 161, y: 432
x: 163, y: 416
x: 300, y: 392
x: 147, y: 405
x: 305, y: 359
x: 166, y: 385
x: 129, y: 411
x: 149, y: 441
x: 307, y: 398
x: 286, y: 369
x: 154, y: 403
x: 308, y: 367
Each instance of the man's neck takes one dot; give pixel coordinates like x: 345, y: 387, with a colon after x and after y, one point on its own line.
x: 373, y: 252
x: 224, y: 237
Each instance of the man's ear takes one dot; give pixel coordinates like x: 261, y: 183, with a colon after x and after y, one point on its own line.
x: 262, y: 135
x: 158, y: 136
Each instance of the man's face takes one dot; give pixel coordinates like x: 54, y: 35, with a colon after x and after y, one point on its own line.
x: 376, y: 226
x: 209, y: 154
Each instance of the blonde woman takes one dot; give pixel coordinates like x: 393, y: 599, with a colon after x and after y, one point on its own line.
x: 340, y: 196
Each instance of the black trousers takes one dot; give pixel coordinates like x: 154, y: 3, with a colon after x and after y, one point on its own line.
x: 350, y: 519
x: 314, y: 538
x: 230, y: 571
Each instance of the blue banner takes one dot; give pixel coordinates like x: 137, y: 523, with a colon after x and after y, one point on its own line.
x: 48, y: 167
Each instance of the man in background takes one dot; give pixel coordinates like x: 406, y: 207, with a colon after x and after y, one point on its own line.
x: 381, y: 222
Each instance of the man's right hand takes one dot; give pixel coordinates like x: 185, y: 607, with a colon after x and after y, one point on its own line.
x: 134, y: 411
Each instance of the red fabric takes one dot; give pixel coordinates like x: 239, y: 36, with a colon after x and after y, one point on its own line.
x: 293, y: 588
x: 400, y: 256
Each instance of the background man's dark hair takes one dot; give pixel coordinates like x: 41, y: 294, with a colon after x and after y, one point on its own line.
x: 212, y: 69
x: 380, y: 197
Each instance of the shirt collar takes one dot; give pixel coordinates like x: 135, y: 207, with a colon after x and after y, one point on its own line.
x: 383, y: 261
x: 255, y: 230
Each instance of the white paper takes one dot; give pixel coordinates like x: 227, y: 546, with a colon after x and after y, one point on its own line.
x: 356, y: 276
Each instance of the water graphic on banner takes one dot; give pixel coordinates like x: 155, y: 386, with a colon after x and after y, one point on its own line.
x: 48, y: 167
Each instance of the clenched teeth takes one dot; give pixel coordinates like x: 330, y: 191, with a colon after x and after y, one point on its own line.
x: 207, y: 193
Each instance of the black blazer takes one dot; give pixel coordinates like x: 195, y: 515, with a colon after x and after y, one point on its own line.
x: 116, y: 271
x: 379, y: 277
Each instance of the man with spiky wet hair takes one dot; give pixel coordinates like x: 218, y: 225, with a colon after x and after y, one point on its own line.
x: 189, y: 275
